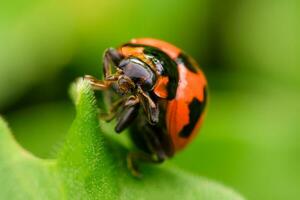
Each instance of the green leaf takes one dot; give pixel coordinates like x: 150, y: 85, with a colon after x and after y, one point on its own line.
x: 91, y: 166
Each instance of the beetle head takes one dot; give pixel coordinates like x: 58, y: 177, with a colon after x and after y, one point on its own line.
x: 135, y: 74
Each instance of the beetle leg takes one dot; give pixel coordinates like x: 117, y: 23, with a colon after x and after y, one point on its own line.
x: 112, y: 111
x: 102, y: 84
x: 146, y: 96
x: 151, y: 108
x: 111, y: 57
x: 97, y: 84
x: 131, y: 101
x: 126, y: 117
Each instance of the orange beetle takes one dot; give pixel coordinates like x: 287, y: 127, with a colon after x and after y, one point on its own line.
x: 167, y: 84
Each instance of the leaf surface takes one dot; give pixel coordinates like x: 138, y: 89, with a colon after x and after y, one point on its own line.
x: 91, y: 166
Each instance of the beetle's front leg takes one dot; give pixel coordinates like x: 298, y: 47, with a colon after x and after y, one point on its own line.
x: 151, y: 108
x: 111, y: 58
x: 97, y: 84
x: 130, y: 101
x: 112, y: 111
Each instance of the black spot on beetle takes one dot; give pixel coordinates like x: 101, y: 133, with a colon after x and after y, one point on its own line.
x: 169, y: 69
x: 196, y: 108
x: 185, y: 60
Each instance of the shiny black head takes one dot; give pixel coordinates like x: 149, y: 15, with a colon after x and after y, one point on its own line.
x: 136, y: 73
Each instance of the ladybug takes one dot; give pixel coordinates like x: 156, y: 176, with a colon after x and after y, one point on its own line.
x: 162, y: 95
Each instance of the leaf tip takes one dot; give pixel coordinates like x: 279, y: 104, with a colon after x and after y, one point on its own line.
x: 79, y: 88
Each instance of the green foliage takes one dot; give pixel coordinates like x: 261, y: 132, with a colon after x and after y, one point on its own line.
x: 90, y: 166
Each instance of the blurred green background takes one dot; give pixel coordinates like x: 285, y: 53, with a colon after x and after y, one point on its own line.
x: 248, y: 49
